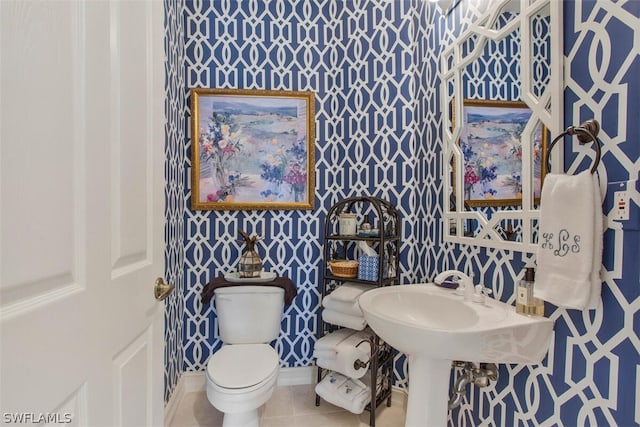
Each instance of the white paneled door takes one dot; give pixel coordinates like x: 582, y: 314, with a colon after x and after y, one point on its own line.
x: 81, y: 218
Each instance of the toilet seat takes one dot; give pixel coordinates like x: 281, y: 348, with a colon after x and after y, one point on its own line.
x: 240, y: 368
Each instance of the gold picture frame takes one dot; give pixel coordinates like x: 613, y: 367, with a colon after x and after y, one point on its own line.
x: 252, y: 149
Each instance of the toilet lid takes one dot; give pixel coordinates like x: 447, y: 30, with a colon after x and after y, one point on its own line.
x: 242, y: 365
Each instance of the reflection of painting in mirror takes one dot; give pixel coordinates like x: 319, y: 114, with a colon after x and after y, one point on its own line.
x: 492, y: 152
x: 511, y: 51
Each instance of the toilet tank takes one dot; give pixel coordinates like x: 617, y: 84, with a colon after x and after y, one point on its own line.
x: 249, y: 314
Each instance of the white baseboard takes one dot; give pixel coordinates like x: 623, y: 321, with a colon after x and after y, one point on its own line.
x: 194, y: 381
x: 399, y: 397
x: 297, y: 376
x: 174, y: 401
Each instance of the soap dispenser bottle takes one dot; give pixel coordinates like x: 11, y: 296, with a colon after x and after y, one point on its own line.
x: 525, y: 302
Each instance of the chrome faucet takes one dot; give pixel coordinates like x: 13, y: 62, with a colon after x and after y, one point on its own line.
x: 480, y: 293
x: 465, y: 283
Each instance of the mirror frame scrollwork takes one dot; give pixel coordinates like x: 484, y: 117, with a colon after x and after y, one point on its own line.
x: 546, y: 107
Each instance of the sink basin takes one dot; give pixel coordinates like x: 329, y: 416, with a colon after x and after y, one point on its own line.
x: 435, y: 326
x: 431, y: 321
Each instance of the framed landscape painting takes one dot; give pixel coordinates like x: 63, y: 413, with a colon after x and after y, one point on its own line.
x: 252, y: 149
x: 491, y: 145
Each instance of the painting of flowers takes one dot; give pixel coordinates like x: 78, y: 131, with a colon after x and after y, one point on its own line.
x: 252, y: 149
x: 491, y: 145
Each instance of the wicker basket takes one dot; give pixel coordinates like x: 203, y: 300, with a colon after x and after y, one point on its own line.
x: 344, y: 268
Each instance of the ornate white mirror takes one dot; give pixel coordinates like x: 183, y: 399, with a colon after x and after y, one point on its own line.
x: 501, y: 101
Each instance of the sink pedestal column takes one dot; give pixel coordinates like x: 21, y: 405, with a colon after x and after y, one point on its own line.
x: 428, y: 392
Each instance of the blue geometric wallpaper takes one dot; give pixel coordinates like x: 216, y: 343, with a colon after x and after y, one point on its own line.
x: 365, y: 133
x: 373, y: 66
x: 175, y: 150
x: 591, y: 375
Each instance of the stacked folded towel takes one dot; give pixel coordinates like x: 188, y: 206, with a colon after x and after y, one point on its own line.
x: 340, y: 350
x: 348, y: 393
x: 341, y: 306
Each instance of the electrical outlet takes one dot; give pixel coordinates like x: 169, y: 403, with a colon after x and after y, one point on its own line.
x: 621, y: 206
x: 622, y: 198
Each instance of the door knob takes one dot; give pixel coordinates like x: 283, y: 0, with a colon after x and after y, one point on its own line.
x: 162, y: 290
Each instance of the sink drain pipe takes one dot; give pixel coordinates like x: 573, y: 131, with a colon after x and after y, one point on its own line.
x: 472, y: 373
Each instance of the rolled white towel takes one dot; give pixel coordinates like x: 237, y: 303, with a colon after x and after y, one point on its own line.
x: 351, y: 308
x: 341, y: 319
x: 345, y: 369
x: 351, y: 350
x: 356, y: 346
x: 344, y: 365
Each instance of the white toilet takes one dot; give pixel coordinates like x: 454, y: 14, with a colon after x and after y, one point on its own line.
x: 242, y: 375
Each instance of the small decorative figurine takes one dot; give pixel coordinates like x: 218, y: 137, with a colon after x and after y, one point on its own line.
x: 250, y: 263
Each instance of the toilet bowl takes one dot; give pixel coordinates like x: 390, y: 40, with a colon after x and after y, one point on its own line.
x: 240, y: 379
x: 242, y: 375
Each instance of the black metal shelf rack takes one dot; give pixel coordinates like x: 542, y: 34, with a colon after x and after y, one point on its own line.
x: 385, y: 218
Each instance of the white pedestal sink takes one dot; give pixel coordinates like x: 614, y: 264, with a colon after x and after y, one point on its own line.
x: 433, y: 326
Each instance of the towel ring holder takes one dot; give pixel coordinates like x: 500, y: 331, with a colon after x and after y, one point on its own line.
x: 586, y: 132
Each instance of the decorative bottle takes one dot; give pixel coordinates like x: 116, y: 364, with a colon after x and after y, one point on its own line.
x: 525, y: 302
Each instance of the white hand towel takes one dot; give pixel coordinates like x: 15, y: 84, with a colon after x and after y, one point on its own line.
x: 598, y: 244
x: 356, y: 393
x: 326, y: 348
x: 570, y: 241
x: 349, y: 292
x: 352, y: 307
x: 350, y: 394
x: 341, y: 319
x: 324, y: 354
x: 332, y: 339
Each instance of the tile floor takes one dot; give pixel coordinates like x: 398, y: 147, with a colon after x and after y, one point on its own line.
x: 290, y: 406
